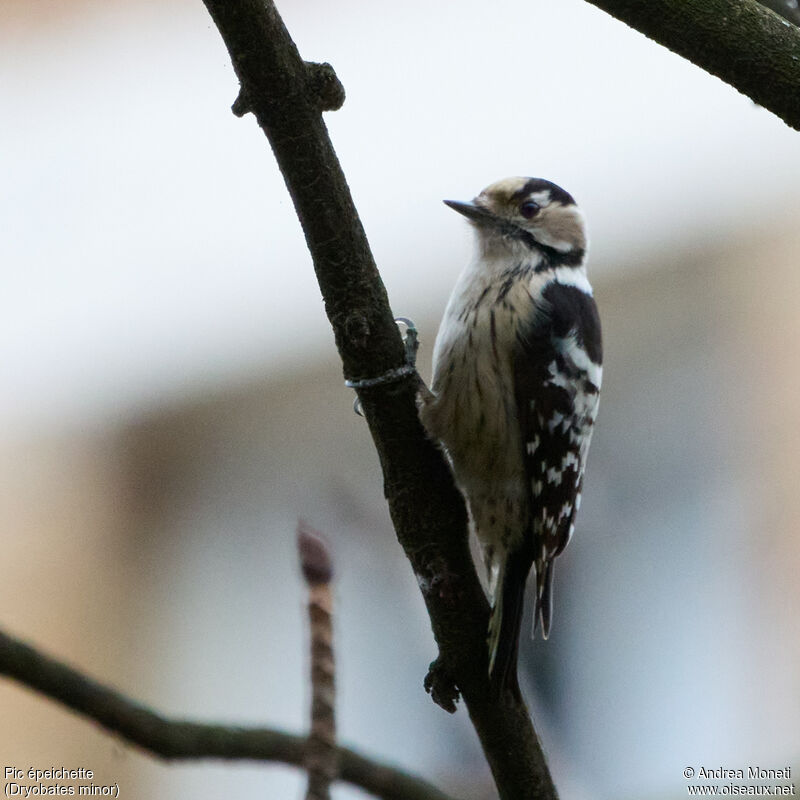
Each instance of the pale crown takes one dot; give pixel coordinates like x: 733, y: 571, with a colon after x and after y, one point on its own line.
x: 527, y: 213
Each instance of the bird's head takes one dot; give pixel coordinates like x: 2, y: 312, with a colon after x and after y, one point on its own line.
x: 528, y: 213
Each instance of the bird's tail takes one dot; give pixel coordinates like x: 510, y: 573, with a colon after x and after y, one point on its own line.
x: 505, y: 623
x: 543, y: 613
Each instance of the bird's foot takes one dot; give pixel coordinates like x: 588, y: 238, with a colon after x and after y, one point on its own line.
x: 441, y: 686
x: 410, y: 336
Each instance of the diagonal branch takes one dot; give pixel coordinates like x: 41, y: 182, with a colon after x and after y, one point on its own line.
x: 178, y: 739
x: 427, y: 510
x: 739, y: 41
x: 786, y: 8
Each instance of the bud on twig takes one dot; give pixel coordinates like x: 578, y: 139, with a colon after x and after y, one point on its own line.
x: 321, y: 755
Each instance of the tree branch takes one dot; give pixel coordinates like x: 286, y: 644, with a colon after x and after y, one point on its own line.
x: 181, y: 740
x: 741, y: 42
x: 786, y: 8
x: 427, y: 510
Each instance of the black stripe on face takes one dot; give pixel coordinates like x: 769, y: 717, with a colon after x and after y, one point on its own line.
x: 557, y: 194
x: 553, y: 257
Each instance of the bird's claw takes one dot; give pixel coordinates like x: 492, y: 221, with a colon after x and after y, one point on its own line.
x: 410, y: 339
x: 441, y: 686
x: 410, y: 336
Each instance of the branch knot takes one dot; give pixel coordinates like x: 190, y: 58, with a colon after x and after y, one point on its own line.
x: 325, y: 86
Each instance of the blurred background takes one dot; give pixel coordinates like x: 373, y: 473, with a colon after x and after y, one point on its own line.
x: 172, y: 400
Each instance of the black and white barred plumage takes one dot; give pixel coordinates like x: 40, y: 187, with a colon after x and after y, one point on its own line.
x: 516, y: 381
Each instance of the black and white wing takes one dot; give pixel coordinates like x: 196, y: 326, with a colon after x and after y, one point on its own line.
x: 557, y: 376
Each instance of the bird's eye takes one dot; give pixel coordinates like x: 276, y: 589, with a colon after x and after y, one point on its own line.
x: 529, y: 209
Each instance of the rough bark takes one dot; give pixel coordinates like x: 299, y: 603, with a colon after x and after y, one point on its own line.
x: 739, y: 41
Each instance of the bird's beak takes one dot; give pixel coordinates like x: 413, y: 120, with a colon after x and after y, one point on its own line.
x: 471, y: 211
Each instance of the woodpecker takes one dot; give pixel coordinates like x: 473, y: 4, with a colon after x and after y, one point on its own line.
x: 517, y: 368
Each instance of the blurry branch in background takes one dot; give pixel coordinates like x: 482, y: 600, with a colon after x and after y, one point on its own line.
x: 427, y: 509
x: 182, y: 740
x: 739, y: 41
x: 321, y: 756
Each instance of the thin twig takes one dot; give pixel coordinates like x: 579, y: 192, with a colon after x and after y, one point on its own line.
x: 182, y: 740
x: 739, y: 41
x: 321, y: 754
x: 427, y: 509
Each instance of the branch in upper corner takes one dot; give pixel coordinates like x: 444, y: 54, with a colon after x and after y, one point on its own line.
x: 743, y: 43
x: 178, y: 739
x: 786, y: 8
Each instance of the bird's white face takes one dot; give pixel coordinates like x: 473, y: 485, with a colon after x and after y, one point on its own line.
x: 527, y: 210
